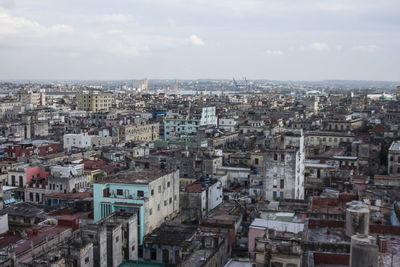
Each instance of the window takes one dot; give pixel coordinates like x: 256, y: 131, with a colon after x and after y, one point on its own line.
x: 282, y: 183
x: 282, y: 157
x: 151, y: 211
x: 105, y: 192
x: 153, y: 254
x: 140, y: 193
x: 117, y: 239
x: 120, y: 192
x: 175, y: 197
x: 281, y: 195
x: 274, y: 182
x: 274, y: 195
x: 159, y: 189
x: 275, y: 156
x: 165, y: 203
x: 133, y: 248
x: 152, y: 192
x: 158, y: 207
x: 170, y: 200
x: 86, y: 259
x: 256, y: 161
x: 168, y: 184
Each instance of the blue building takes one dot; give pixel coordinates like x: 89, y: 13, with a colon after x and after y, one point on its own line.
x: 153, y: 194
x: 176, y: 125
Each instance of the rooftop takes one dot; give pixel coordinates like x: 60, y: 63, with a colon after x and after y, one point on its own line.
x: 395, y: 146
x: 171, y: 234
x: 23, y: 209
x: 144, y: 176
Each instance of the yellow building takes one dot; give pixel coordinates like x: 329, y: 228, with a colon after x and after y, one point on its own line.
x: 94, y: 101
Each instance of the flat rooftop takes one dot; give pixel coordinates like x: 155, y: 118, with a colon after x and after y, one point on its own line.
x: 326, y: 234
x: 171, y: 234
x: 144, y: 176
x: 395, y: 146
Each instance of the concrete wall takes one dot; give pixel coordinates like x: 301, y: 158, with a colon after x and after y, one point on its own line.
x: 214, y: 195
x: 3, y: 223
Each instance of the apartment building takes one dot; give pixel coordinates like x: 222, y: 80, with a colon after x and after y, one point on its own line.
x: 94, y: 101
x: 153, y: 194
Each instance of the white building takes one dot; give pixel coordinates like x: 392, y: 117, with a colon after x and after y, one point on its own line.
x: 85, y: 141
x: 227, y: 124
x: 284, y: 170
x: 77, y: 140
x: 67, y: 179
x: 394, y: 159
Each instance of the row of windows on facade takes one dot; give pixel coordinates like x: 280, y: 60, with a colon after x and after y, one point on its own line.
x: 21, y: 180
x: 139, y: 193
x: 391, y: 170
x: 165, y: 204
x: 392, y: 159
x: 335, y: 139
x: 60, y: 187
x: 282, y: 183
x: 282, y: 157
x: 275, y: 195
x: 37, y: 197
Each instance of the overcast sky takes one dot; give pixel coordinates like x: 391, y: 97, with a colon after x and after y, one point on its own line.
x: 189, y: 39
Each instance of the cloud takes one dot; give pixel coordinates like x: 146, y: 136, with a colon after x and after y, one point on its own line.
x: 274, y: 52
x: 116, y: 18
x: 7, y: 4
x: 339, y: 47
x: 196, y: 41
x: 319, y: 46
x: 366, y: 48
x: 60, y: 28
x: 22, y: 27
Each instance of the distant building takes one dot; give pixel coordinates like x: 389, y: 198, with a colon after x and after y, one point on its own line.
x: 140, y: 85
x: 398, y: 93
x: 139, y: 132
x: 176, y: 125
x: 94, y: 101
x: 85, y: 141
x: 28, y: 97
x: 394, y: 159
x: 77, y: 140
x: 227, y: 124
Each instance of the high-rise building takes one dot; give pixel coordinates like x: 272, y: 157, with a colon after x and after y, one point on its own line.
x: 140, y: 85
x: 94, y: 101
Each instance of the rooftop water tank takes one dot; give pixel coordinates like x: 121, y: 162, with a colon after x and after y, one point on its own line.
x: 357, y: 219
x: 363, y: 251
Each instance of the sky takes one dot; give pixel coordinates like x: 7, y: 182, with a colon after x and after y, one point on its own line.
x: 193, y: 39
